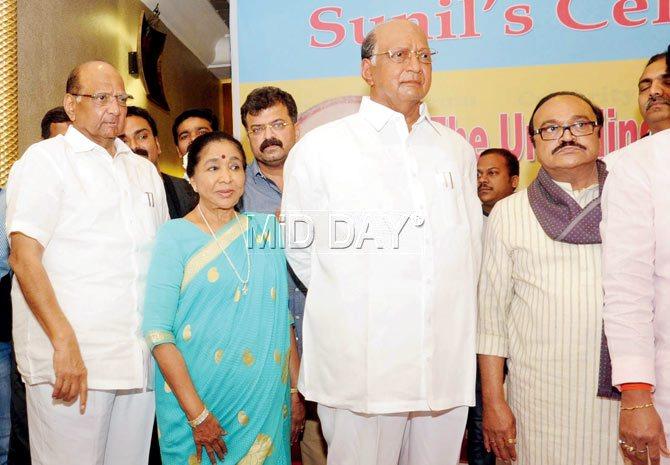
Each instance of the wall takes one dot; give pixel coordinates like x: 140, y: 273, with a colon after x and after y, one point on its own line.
x: 56, y: 35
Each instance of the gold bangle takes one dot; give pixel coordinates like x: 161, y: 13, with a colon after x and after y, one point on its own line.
x: 294, y: 390
x: 636, y: 407
x: 197, y: 421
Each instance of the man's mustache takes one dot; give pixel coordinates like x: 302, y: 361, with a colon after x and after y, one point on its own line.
x: 568, y: 143
x: 655, y: 100
x: 141, y: 152
x: 270, y: 142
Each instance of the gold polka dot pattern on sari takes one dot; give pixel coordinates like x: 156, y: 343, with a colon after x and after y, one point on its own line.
x: 248, y: 358
x: 218, y: 356
x: 213, y: 275
x: 186, y: 333
x: 273, y: 293
x: 277, y: 356
x: 242, y: 418
x: 258, y: 452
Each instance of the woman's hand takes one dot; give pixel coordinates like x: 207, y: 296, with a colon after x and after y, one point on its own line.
x: 209, y: 435
x: 297, y: 417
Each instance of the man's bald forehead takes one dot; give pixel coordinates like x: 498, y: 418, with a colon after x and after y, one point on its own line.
x: 73, y: 84
x: 399, y: 23
x: 369, y: 45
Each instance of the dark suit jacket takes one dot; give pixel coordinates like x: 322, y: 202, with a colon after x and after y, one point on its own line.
x: 180, y: 196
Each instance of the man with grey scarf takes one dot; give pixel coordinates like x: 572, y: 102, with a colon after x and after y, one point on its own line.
x: 540, y: 301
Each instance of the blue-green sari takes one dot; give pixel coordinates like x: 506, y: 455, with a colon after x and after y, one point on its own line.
x: 235, y: 345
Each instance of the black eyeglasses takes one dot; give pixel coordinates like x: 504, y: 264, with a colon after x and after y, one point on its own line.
x: 554, y: 131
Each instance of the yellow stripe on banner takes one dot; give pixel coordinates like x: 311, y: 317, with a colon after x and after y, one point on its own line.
x: 212, y: 251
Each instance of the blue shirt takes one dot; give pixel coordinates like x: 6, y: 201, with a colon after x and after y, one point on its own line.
x: 261, y: 195
x: 4, y: 243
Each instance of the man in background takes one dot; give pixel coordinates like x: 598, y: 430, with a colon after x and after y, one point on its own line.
x: 654, y: 94
x: 140, y: 133
x: 5, y: 336
x: 270, y: 117
x: 497, y: 178
x: 190, y: 124
x: 55, y: 122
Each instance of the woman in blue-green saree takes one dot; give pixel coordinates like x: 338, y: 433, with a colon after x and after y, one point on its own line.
x: 216, y: 319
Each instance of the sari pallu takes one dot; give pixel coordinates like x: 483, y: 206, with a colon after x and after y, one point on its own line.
x: 235, y: 345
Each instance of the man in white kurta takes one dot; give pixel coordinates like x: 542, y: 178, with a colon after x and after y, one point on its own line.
x: 82, y: 212
x: 390, y: 197
x: 636, y: 279
x: 540, y: 300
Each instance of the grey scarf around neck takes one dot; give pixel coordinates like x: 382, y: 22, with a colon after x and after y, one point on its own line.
x: 564, y: 220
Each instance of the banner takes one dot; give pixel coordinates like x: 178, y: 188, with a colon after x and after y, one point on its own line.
x: 496, y: 59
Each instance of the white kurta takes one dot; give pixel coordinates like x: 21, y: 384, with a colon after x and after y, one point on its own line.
x: 96, y: 217
x: 389, y: 326
x: 636, y: 267
x: 540, y: 307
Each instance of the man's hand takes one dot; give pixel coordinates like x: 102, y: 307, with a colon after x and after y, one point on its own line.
x: 209, y: 435
x: 71, y: 374
x: 641, y: 432
x: 499, y: 427
x: 297, y: 417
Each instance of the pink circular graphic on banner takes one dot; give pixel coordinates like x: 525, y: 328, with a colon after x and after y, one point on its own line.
x: 327, y: 111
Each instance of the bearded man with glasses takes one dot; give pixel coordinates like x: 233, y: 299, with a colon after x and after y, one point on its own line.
x: 389, y: 330
x: 82, y: 213
x: 540, y: 302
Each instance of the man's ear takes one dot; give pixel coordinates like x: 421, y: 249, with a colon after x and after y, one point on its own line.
x: 68, y: 105
x: 515, y: 181
x: 296, y: 128
x: 366, y: 71
x: 158, y: 146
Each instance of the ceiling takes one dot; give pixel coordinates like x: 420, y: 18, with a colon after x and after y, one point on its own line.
x: 210, y: 40
x: 222, y: 7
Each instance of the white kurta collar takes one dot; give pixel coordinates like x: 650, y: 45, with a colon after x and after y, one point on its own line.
x: 80, y: 143
x: 379, y: 115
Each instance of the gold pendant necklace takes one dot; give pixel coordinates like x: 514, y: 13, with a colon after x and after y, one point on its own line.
x: 243, y: 282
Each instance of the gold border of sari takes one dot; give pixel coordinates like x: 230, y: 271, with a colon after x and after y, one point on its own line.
x: 212, y: 250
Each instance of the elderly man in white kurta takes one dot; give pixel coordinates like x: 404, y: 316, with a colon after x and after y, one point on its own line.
x: 389, y: 329
x: 540, y: 300
x: 82, y: 212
